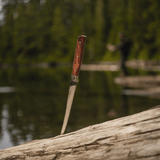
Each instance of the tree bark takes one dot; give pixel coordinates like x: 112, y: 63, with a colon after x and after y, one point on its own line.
x: 128, y: 138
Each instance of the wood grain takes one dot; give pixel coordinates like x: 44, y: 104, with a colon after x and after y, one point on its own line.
x: 128, y: 138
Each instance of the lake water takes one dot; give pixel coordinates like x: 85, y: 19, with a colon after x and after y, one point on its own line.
x: 33, y: 101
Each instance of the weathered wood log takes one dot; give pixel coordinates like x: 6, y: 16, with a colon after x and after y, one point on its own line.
x: 138, y: 81
x: 150, y: 92
x: 128, y: 138
x: 149, y: 85
x: 115, y: 65
x: 144, y: 65
x: 99, y: 67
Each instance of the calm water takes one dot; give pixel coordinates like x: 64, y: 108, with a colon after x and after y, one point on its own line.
x: 34, y: 108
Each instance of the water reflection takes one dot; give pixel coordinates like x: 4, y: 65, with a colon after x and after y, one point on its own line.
x: 37, y: 107
x: 4, y: 135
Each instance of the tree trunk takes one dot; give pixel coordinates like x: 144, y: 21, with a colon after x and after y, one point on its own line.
x: 133, y: 137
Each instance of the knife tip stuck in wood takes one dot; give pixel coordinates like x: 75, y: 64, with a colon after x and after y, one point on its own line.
x: 74, y: 78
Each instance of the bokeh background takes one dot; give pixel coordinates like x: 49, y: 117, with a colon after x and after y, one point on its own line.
x: 45, y: 30
x: 37, y: 44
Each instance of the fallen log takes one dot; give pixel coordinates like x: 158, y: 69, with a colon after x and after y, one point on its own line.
x: 99, y: 67
x: 138, y: 81
x: 144, y: 65
x: 148, y: 85
x: 128, y: 138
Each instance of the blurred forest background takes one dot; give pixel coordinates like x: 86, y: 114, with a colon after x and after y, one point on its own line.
x: 46, y: 30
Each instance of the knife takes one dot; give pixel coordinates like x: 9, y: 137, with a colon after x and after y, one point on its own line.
x: 74, y: 78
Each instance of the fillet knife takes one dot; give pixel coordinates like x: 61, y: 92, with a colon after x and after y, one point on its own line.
x: 74, y: 78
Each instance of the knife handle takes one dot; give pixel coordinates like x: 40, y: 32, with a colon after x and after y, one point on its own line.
x: 78, y: 56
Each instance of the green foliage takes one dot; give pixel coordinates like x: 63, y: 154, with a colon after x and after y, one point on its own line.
x: 34, y: 31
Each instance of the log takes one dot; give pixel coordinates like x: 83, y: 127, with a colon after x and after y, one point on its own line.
x: 138, y: 81
x: 148, y: 85
x: 151, y: 92
x: 128, y: 138
x: 100, y: 67
x: 144, y: 65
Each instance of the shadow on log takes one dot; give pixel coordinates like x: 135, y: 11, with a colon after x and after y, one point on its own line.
x: 128, y: 138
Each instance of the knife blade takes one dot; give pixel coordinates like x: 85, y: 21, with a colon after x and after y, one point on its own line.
x: 78, y: 56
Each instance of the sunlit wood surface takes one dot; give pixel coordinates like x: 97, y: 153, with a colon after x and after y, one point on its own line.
x: 133, y: 137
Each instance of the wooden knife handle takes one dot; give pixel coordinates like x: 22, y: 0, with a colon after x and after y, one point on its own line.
x: 78, y: 56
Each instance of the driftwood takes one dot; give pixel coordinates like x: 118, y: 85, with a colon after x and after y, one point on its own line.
x: 144, y: 65
x: 133, y: 137
x: 138, y: 81
x: 115, y: 65
x: 100, y: 67
x: 148, y: 85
